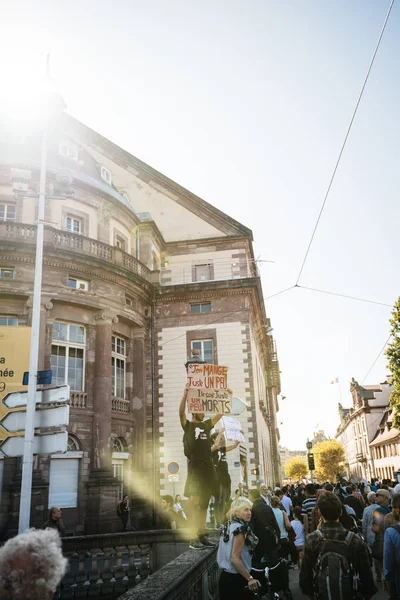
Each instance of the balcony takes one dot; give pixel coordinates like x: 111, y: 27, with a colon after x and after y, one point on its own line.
x: 78, y: 399
x: 120, y: 405
x: 360, y: 457
x: 55, y: 239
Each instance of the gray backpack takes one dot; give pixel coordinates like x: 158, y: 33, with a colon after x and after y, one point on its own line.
x: 334, y: 573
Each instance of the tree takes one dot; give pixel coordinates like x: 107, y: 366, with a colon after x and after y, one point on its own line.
x: 393, y: 354
x: 329, y: 458
x: 296, y: 468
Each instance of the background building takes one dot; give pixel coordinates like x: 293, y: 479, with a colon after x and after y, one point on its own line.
x: 385, y: 448
x: 137, y: 272
x: 286, y: 454
x: 359, y: 424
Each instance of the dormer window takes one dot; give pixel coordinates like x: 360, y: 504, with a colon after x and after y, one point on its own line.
x: 68, y: 149
x: 105, y: 175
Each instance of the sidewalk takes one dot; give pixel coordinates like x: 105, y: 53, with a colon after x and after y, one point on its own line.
x: 297, y: 595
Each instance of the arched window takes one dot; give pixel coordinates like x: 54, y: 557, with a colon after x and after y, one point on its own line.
x: 117, y: 445
x: 73, y: 444
x: 118, y: 458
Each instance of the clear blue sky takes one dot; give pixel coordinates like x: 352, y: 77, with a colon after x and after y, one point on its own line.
x: 246, y: 104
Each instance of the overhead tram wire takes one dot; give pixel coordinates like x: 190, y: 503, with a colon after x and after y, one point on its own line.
x: 305, y: 287
x: 377, y: 358
x: 344, y: 143
x: 281, y: 292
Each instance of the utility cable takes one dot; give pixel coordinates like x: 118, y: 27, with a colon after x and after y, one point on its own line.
x: 281, y: 292
x: 305, y: 287
x: 206, y: 325
x: 345, y: 142
x: 377, y: 358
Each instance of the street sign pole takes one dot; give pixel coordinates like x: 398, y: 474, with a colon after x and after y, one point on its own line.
x: 27, y: 465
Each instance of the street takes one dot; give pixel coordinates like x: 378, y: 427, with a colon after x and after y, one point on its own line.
x: 297, y: 595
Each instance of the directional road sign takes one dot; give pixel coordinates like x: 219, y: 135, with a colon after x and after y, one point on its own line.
x: 42, y: 444
x: 48, y: 396
x: 47, y: 417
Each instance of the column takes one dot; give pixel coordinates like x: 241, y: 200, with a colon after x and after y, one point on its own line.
x: 139, y: 397
x: 102, y: 487
x: 102, y: 391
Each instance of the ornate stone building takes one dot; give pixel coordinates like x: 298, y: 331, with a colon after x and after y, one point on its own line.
x: 358, y: 427
x: 137, y: 272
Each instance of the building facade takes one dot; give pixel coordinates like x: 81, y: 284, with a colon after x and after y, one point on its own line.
x: 358, y: 427
x: 286, y: 454
x: 385, y: 449
x: 137, y: 272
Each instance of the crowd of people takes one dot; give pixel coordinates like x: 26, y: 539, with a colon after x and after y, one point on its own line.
x: 343, y: 538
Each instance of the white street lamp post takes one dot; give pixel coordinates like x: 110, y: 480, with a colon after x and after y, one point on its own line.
x: 27, y: 465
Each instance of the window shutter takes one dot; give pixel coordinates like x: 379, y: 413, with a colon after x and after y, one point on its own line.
x: 63, y: 489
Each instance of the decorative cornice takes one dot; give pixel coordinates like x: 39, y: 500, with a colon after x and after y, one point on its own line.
x: 202, y: 295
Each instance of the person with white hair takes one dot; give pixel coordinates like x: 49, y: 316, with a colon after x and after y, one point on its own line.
x: 236, y: 548
x: 31, y: 565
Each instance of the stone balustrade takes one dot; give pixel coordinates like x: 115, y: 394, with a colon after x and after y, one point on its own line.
x: 120, y: 405
x: 55, y: 238
x: 108, y: 565
x: 78, y: 399
x: 192, y: 576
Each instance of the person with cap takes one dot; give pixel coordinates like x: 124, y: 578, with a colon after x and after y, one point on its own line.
x: 378, y: 527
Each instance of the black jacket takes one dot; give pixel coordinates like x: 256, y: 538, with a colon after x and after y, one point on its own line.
x: 266, y: 528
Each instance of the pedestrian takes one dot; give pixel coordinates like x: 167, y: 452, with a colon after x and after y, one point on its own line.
x: 368, y: 518
x: 391, y: 553
x: 378, y: 527
x: 222, y: 493
x: 123, y: 512
x: 178, y: 508
x: 308, y: 505
x: 284, y: 526
x: 265, y: 494
x: 31, y: 565
x: 264, y: 525
x: 200, y: 481
x: 55, y: 521
x: 286, y: 501
x: 334, y: 559
x: 298, y: 528
x: 352, y: 499
x: 168, y: 515
x: 235, y: 551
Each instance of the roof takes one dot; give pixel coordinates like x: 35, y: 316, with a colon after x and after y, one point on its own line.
x: 125, y: 160
x: 384, y: 434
